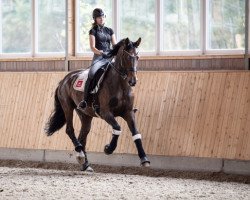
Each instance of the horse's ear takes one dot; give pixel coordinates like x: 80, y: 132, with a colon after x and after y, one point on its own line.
x: 126, y: 41
x: 137, y: 43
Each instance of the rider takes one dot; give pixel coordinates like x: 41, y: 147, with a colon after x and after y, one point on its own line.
x: 100, y: 38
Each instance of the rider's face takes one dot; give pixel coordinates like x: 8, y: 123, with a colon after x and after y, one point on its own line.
x: 100, y: 20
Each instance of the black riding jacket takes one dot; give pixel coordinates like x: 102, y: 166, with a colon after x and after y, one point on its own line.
x: 102, y: 37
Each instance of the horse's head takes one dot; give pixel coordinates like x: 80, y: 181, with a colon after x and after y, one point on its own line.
x: 129, y: 60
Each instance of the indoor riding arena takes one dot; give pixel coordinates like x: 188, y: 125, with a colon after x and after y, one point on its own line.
x: 124, y: 99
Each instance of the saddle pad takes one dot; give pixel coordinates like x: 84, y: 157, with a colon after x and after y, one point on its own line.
x: 80, y: 81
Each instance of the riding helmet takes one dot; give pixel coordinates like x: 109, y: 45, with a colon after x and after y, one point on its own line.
x: 98, y: 12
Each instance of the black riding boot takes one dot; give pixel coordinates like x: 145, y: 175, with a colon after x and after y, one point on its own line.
x: 83, y: 104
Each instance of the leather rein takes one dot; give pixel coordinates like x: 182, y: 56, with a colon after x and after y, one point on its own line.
x: 123, y: 74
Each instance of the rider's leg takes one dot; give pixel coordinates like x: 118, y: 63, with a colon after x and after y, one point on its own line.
x: 88, y: 84
x: 95, y: 73
x: 83, y: 103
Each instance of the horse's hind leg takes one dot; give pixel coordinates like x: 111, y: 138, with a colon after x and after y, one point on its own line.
x: 68, y: 111
x: 110, y: 119
x: 85, y: 128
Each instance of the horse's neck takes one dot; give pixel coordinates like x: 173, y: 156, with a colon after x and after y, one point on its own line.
x: 115, y: 78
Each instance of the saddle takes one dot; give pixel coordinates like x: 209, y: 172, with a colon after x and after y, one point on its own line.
x: 96, y: 81
x: 81, y: 80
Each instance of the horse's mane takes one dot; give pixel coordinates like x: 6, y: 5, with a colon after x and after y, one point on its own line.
x: 116, y: 47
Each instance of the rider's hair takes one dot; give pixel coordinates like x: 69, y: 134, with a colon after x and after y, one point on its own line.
x: 94, y: 24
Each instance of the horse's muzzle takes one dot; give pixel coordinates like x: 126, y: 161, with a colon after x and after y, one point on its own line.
x: 132, y: 82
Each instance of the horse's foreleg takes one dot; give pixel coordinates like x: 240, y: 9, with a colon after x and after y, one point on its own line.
x: 130, y: 119
x: 110, y: 119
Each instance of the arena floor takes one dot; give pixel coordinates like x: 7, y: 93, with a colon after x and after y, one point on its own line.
x: 30, y: 180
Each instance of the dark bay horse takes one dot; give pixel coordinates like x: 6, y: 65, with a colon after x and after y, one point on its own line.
x: 115, y: 99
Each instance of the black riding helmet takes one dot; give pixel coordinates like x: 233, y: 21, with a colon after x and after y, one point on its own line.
x: 98, y: 12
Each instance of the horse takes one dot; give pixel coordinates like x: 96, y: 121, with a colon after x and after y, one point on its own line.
x: 115, y: 98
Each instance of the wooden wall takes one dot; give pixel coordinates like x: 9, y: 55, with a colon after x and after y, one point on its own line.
x: 201, y: 114
x: 30, y: 65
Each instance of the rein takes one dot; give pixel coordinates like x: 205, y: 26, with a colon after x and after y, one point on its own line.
x: 123, y: 75
x: 132, y: 69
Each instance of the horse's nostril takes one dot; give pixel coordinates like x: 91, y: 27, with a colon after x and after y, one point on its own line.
x: 132, y: 83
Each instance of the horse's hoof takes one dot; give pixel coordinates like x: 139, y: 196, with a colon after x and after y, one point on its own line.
x: 80, y: 157
x: 89, y: 169
x: 145, y: 162
x: 107, y: 150
x: 86, y: 167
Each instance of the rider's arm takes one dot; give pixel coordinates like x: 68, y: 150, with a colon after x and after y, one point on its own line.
x: 113, y: 39
x: 92, y: 45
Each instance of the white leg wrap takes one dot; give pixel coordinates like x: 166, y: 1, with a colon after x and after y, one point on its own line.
x: 136, y: 137
x: 80, y: 154
x: 116, y: 132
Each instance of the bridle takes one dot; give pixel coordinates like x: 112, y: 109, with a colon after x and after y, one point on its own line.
x: 124, y: 73
x: 133, y: 68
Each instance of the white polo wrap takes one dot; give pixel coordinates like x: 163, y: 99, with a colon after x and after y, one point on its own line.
x: 116, y: 132
x: 136, y: 137
x: 80, y: 154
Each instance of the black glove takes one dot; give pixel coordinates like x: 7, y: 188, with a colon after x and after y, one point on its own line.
x: 106, y: 54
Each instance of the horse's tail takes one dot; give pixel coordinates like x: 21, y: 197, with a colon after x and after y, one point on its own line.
x: 56, y: 119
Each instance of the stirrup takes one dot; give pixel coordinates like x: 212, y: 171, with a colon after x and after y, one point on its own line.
x: 96, y: 108
x: 82, y: 105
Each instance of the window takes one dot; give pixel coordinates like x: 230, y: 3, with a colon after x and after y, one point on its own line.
x: 137, y: 19
x: 85, y: 8
x: 226, y: 28
x: 19, y: 33
x: 51, y: 26
x: 15, y: 22
x: 167, y: 27
x: 181, y: 25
